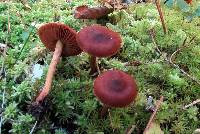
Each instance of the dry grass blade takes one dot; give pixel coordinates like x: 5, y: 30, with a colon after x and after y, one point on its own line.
x: 130, y: 129
x: 154, y: 114
x: 191, y: 104
x: 33, y: 128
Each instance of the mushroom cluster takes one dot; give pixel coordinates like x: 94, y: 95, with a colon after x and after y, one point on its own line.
x: 114, y: 88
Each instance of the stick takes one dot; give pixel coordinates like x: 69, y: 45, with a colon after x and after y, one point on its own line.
x: 153, y: 115
x: 185, y: 73
x: 130, y: 130
x: 161, y: 16
x: 191, y: 104
x: 178, y: 50
x: 33, y: 128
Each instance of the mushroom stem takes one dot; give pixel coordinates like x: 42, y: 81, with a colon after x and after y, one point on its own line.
x: 94, y: 65
x: 104, y: 111
x: 51, y: 72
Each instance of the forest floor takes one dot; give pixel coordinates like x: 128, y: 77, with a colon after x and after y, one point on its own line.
x: 162, y: 64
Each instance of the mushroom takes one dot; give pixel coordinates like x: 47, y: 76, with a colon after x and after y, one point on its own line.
x: 96, y: 13
x: 61, y: 39
x: 98, y: 41
x: 115, y: 88
x: 84, y: 12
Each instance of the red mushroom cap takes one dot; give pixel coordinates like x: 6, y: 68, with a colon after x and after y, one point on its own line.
x: 84, y: 12
x: 99, y: 41
x: 50, y: 33
x: 115, y: 88
x: 80, y: 11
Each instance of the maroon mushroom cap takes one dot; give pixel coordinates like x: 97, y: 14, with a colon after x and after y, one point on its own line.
x: 99, y: 41
x: 84, y: 12
x: 80, y: 11
x: 115, y: 88
x: 50, y: 33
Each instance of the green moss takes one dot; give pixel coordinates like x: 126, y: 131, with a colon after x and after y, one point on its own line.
x: 72, y: 104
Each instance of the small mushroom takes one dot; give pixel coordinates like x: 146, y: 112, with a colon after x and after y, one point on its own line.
x: 61, y: 39
x: 115, y: 88
x: 98, y: 41
x: 84, y: 12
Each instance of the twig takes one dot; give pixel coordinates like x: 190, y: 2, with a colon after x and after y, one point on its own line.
x: 191, y: 104
x: 185, y: 73
x: 2, y: 107
x: 130, y: 130
x: 152, y: 34
x: 178, y: 50
x: 161, y: 16
x: 33, y: 128
x: 172, y: 57
x: 192, y: 39
x: 153, y: 114
x: 25, y: 3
